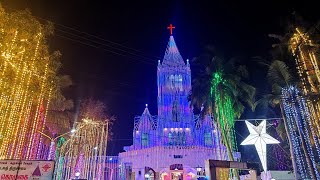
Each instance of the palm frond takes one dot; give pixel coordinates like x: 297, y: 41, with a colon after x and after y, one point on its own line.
x: 279, y: 73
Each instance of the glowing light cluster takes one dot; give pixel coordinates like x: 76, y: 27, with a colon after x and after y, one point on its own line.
x: 302, y: 133
x: 303, y: 48
x: 25, y: 88
x: 224, y: 113
x: 85, y: 152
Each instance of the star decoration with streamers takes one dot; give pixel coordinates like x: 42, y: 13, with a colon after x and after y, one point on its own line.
x: 259, y: 138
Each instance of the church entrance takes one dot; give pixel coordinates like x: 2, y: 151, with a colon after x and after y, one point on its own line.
x: 178, y: 172
x: 177, y: 176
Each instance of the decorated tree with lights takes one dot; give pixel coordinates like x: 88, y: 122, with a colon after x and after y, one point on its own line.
x: 221, y: 91
x: 305, y: 51
x: 298, y: 48
x: 60, y: 112
x: 83, y: 154
x: 58, y: 120
x: 295, y: 117
x: 301, y: 44
x: 28, y: 83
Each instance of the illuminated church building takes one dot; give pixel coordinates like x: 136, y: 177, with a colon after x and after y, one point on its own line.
x: 175, y: 143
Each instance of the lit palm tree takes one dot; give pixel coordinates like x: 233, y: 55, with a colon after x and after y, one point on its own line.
x: 280, y: 77
x: 220, y: 90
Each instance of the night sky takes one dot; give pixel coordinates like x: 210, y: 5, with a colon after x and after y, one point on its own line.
x: 111, y: 49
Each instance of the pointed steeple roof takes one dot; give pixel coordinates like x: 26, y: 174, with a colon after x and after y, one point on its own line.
x: 146, y: 121
x: 172, y: 55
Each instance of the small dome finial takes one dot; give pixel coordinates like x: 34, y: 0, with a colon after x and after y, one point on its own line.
x: 146, y: 105
x: 158, y: 62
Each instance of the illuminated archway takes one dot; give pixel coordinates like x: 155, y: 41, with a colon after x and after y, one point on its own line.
x: 149, y: 174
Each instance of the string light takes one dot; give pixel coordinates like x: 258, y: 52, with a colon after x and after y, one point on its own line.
x: 297, y: 116
x: 84, y: 152
x: 25, y: 86
x: 308, y: 71
x: 224, y: 113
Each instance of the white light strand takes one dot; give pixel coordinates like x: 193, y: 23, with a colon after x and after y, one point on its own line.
x: 296, y: 120
x: 306, y: 131
x: 293, y: 136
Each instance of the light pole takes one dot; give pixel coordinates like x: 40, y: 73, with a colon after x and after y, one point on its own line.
x: 77, y: 175
x: 199, y: 169
x: 147, y: 176
x: 53, y: 144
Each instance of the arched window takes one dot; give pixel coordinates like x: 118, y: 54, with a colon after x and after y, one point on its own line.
x: 175, y: 110
x: 184, y: 138
x: 171, y: 138
x: 177, y: 138
x: 208, y: 139
x: 178, y: 82
x: 145, y: 139
x: 175, y: 82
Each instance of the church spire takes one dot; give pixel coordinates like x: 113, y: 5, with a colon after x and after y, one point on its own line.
x: 172, y: 55
x: 146, y: 122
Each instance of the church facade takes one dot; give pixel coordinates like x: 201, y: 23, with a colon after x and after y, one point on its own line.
x: 175, y: 143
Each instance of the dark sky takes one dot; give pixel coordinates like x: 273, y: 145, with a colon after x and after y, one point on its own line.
x: 111, y: 49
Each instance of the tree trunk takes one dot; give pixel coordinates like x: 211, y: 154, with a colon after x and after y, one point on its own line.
x: 294, y: 165
x: 230, y: 154
x: 227, y: 142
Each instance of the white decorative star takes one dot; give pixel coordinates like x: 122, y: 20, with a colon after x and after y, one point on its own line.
x: 260, y: 139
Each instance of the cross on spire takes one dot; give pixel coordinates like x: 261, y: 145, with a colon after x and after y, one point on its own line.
x: 171, y: 28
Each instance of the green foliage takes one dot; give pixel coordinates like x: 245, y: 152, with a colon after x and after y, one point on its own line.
x: 234, y: 84
x: 220, y: 90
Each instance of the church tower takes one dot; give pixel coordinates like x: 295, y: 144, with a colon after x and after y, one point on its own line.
x: 174, y: 85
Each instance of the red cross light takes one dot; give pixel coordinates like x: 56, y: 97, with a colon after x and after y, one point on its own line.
x: 171, y: 28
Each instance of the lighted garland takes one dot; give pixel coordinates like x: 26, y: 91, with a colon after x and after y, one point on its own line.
x: 59, y: 160
x: 224, y: 115
x: 60, y: 142
x: 303, y: 48
x: 83, y: 155
x: 298, y: 121
x: 224, y: 112
x: 25, y: 85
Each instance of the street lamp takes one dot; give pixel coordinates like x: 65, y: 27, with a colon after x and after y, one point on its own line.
x: 77, y: 174
x: 147, y: 176
x: 52, y: 144
x: 73, y: 130
x: 199, y: 170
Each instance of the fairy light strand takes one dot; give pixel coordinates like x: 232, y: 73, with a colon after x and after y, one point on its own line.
x: 297, y: 116
x: 25, y: 88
